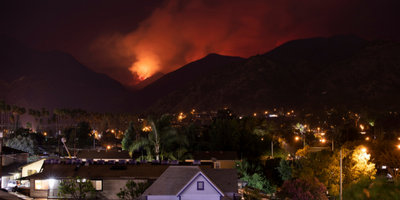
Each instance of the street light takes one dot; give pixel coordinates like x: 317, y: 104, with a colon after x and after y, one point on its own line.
x: 341, y: 169
x: 331, y: 141
x: 303, y: 138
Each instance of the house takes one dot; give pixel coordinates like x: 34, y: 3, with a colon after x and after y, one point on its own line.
x: 106, y: 155
x: 107, y: 177
x: 220, y: 159
x: 12, y: 160
x: 194, y: 183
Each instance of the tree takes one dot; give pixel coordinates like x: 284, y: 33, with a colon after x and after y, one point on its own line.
x: 129, y: 136
x: 132, y: 190
x: 251, y: 194
x: 359, y: 166
x: 285, y: 170
x: 373, y: 189
x: 28, y: 125
x: 77, y: 187
x: 258, y: 181
x: 160, y: 140
x: 21, y: 143
x: 303, y: 189
x: 386, y: 153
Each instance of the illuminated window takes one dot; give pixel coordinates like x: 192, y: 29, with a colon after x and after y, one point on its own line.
x: 30, y: 172
x: 41, y: 184
x: 97, y: 184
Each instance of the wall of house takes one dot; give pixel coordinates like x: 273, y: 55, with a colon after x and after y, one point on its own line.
x: 226, y: 164
x: 162, y: 197
x: 7, y: 159
x: 192, y: 193
x: 11, y: 158
x: 112, y: 187
x: 37, y: 193
x: 33, y: 166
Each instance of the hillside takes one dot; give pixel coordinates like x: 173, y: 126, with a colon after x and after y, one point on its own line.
x: 54, y: 79
x: 182, y: 76
x: 368, y: 77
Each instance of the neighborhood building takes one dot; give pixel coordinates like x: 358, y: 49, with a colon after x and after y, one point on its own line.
x: 12, y: 160
x: 194, y: 183
x: 107, y: 155
x: 220, y: 159
x: 107, y: 177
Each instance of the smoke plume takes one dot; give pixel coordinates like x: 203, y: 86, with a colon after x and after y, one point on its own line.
x: 179, y: 32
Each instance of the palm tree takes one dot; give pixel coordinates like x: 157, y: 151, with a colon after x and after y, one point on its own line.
x: 160, y: 139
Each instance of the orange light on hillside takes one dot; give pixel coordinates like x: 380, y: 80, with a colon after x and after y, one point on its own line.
x: 367, y: 138
x: 297, y: 138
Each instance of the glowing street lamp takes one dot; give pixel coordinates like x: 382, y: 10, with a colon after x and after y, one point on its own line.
x: 362, y: 129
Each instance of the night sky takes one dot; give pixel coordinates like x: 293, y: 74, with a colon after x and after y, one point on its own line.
x: 129, y: 40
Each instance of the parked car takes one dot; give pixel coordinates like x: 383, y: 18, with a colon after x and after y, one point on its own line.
x: 12, y: 183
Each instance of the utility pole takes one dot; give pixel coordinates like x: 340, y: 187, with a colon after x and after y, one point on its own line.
x: 59, y: 150
x: 272, y: 149
x: 1, y: 147
x: 75, y: 141
x: 341, y: 174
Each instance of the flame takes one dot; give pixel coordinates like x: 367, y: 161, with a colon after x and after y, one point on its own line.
x: 142, y: 77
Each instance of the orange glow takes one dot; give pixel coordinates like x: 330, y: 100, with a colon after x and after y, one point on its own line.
x: 297, y: 138
x: 367, y: 138
x: 142, y: 78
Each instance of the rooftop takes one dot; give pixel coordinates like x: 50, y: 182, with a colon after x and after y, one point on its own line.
x: 176, y: 177
x: 219, y: 155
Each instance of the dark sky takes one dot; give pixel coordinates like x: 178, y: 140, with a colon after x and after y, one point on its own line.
x: 128, y: 39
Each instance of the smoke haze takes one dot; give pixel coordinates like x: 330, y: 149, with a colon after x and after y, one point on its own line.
x: 179, y: 32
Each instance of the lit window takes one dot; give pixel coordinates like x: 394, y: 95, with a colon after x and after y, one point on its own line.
x: 200, y: 185
x: 97, y: 184
x: 41, y: 184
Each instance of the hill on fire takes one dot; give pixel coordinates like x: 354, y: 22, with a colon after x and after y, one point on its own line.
x: 319, y: 72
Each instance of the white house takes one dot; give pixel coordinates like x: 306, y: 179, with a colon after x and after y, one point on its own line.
x: 194, y: 183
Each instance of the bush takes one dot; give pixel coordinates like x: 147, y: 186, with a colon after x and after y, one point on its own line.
x: 303, y: 189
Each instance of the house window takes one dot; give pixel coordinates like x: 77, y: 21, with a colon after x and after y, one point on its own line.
x: 97, y: 184
x: 31, y: 171
x: 200, y: 185
x: 41, y: 184
x: 217, y: 165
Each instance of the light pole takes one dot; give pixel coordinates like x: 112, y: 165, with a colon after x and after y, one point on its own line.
x: 331, y: 141
x: 303, y: 138
x: 341, y: 169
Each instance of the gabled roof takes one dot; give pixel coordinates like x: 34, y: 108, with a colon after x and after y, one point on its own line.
x: 200, y: 173
x: 225, y: 179
x: 175, y: 178
x: 172, y: 180
x: 219, y: 155
x: 11, y: 169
